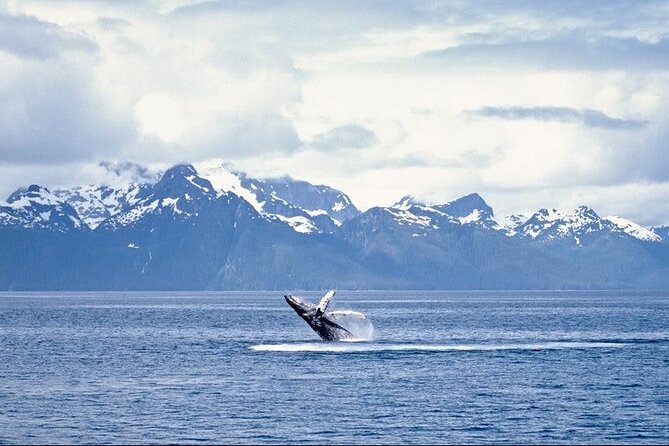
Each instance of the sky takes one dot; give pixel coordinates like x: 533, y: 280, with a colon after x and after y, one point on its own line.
x: 530, y: 104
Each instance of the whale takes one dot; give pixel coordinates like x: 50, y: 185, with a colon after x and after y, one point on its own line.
x: 323, y: 322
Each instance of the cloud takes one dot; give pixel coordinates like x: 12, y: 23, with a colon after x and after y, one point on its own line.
x: 227, y: 137
x: 175, y: 96
x: 557, y: 53
x: 252, y: 82
x: 587, y: 117
x: 112, y: 24
x: 403, y: 161
x: 640, y: 158
x: 50, y: 107
x: 128, y: 169
x: 28, y: 37
x: 55, y: 117
x: 248, y: 136
x: 350, y: 136
x: 320, y: 18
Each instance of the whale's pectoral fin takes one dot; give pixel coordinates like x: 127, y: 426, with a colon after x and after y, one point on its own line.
x: 333, y: 324
x: 323, y: 304
x: 341, y: 314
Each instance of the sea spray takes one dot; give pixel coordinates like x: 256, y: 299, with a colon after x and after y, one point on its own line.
x: 357, y: 324
x: 340, y: 347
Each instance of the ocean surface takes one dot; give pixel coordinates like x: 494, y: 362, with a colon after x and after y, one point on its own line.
x: 442, y: 367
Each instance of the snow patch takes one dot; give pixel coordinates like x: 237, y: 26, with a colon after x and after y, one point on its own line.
x: 298, y: 223
x: 136, y: 213
x: 403, y: 217
x: 474, y: 216
x: 512, y: 222
x: 225, y: 181
x: 633, y: 229
x: 338, y: 206
x: 316, y: 212
x: 171, y: 202
x: 191, y: 179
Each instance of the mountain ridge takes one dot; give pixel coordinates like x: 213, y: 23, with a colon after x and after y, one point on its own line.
x: 220, y: 229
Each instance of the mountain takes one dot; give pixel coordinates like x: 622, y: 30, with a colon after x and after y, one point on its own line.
x: 313, y: 199
x: 301, y: 205
x: 470, y: 209
x: 580, y: 225
x: 662, y: 232
x: 221, y: 229
x: 181, y: 194
x: 460, y: 245
x: 623, y: 226
x: 551, y: 224
x: 95, y: 204
x: 35, y: 207
x: 512, y: 222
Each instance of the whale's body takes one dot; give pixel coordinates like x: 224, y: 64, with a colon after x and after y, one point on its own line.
x: 321, y: 321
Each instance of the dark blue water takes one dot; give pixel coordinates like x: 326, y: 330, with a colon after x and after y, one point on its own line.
x: 444, y: 367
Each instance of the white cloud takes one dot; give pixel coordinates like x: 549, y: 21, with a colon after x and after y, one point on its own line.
x: 349, y: 136
x: 50, y: 109
x: 373, y: 97
x: 161, y: 116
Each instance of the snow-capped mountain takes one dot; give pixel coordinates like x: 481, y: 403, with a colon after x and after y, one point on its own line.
x: 411, y: 213
x: 512, y: 222
x: 470, y: 210
x: 35, y: 207
x: 130, y: 183
x: 297, y: 204
x: 94, y: 204
x: 224, y: 230
x: 579, y: 223
x: 549, y: 224
x: 180, y: 193
x: 315, y: 200
x: 301, y: 205
x: 624, y: 226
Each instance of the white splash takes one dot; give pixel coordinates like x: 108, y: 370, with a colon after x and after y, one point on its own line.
x: 352, y: 347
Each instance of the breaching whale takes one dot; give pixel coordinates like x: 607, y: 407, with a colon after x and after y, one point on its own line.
x: 321, y: 321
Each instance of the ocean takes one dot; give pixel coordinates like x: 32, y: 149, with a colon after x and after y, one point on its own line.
x: 232, y: 367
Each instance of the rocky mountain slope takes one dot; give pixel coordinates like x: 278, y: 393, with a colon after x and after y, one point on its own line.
x: 220, y: 229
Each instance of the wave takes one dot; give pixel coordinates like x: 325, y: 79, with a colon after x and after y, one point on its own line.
x: 364, y: 347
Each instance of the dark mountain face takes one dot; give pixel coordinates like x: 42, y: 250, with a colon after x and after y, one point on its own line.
x: 415, y: 247
x: 466, y: 206
x: 183, y: 233
x: 662, y: 232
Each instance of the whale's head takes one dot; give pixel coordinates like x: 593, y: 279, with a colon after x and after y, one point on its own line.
x: 301, y: 307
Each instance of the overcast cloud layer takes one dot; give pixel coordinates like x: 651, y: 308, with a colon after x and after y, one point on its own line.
x: 531, y: 104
